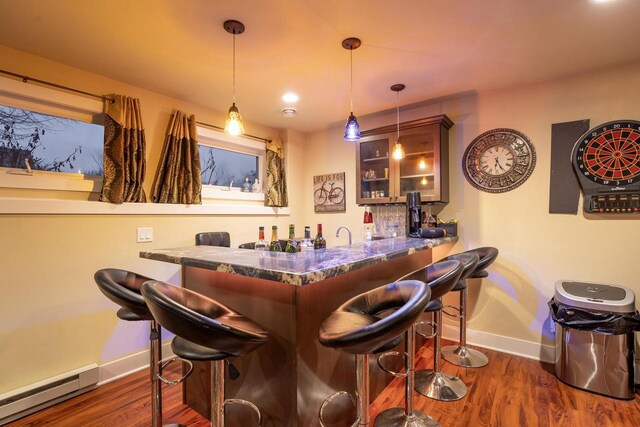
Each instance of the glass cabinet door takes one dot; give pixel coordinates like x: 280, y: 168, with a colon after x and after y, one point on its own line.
x: 374, y: 179
x: 417, y: 171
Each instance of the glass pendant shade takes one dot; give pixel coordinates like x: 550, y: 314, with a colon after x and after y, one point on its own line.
x: 422, y: 164
x: 352, y: 129
x: 233, y: 125
x: 398, y: 151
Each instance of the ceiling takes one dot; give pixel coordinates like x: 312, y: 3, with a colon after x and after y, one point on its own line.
x: 435, y: 47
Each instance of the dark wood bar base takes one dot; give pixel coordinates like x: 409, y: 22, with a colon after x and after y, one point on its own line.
x: 290, y: 376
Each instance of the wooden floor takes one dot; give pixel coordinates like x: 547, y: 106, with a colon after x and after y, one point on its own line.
x: 510, y: 392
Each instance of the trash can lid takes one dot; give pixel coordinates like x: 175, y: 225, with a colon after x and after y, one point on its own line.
x: 595, y: 296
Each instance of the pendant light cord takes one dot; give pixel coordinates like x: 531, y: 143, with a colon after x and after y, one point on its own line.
x: 234, y: 68
x: 398, y: 115
x: 351, y: 56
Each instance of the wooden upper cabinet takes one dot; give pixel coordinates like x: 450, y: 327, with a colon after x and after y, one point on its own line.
x: 425, y: 167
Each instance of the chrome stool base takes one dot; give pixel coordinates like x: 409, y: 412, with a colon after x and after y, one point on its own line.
x: 439, y: 386
x: 397, y: 417
x: 464, y: 356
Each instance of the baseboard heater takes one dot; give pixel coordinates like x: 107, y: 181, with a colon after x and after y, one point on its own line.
x: 34, y: 397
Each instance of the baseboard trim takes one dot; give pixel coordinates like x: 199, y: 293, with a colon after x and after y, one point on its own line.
x: 130, y: 364
x: 515, y: 346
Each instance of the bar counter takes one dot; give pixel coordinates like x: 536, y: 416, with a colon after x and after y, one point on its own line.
x: 290, y: 295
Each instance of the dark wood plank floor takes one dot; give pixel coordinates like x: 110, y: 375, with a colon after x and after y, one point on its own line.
x: 509, y: 392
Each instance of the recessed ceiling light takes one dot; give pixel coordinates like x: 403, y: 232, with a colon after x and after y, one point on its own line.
x: 290, y: 97
x: 289, y: 112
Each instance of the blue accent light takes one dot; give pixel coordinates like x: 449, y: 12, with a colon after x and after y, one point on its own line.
x: 352, y: 129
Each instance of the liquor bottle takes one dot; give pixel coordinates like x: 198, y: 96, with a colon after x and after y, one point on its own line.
x: 306, y: 244
x: 275, y: 246
x: 319, y: 242
x: 246, y: 187
x: 292, y: 243
x: 367, y: 227
x: 261, y: 244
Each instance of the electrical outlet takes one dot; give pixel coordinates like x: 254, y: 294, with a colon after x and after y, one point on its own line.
x: 145, y: 234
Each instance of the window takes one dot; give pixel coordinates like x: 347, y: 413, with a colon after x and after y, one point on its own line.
x: 42, y: 142
x: 226, y: 162
x: 226, y: 167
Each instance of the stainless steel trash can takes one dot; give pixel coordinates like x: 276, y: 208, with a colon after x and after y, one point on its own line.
x: 595, y: 361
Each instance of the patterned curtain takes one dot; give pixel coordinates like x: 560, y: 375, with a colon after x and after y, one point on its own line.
x: 276, y: 194
x: 178, y: 177
x: 124, y: 152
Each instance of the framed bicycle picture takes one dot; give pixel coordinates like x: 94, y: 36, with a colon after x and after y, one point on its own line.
x: 328, y: 193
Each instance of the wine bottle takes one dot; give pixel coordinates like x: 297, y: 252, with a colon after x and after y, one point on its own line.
x: 275, y: 246
x: 319, y: 242
x: 261, y: 244
x: 306, y: 244
x: 292, y: 243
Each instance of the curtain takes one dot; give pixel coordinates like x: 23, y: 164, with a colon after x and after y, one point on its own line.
x: 178, y: 177
x: 124, y: 152
x: 276, y: 194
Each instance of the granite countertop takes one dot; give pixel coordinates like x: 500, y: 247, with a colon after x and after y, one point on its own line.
x: 295, y: 269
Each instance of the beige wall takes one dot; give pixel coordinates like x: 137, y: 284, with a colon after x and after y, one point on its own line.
x: 52, y: 316
x: 536, y: 248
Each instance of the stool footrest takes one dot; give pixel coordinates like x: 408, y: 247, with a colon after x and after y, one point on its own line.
x: 383, y: 356
x: 330, y: 399
x: 452, y: 307
x: 167, y: 363
x: 245, y: 403
x: 434, y: 327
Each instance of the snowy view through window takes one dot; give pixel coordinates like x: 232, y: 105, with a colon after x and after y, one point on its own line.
x: 220, y: 167
x: 49, y: 143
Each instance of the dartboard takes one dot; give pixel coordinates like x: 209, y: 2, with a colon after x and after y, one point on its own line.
x: 610, y: 153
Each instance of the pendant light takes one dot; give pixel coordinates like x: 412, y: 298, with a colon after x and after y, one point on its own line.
x: 422, y: 163
x: 352, y: 128
x: 233, y: 125
x: 398, y: 150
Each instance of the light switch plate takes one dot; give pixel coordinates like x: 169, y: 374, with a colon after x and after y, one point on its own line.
x: 145, y: 234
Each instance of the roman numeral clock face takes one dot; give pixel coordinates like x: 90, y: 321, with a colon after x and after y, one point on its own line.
x: 499, y: 160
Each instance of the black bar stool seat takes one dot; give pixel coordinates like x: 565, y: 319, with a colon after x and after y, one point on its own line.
x: 213, y: 238
x: 206, y: 330
x: 460, y: 354
x: 356, y: 327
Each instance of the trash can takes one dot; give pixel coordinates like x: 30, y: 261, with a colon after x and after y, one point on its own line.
x: 595, y: 328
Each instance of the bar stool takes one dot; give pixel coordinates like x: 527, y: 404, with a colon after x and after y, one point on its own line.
x: 461, y: 355
x: 439, y: 277
x: 123, y: 288
x: 205, y: 330
x: 434, y: 383
x: 356, y: 328
x: 214, y: 238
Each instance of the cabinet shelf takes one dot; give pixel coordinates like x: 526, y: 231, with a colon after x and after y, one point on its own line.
x: 416, y: 176
x: 375, y: 159
x: 418, y: 153
x: 375, y: 179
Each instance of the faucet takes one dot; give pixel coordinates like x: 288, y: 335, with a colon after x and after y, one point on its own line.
x: 346, y: 228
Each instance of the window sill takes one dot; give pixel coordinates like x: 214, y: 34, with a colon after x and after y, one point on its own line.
x: 42, y: 180
x: 217, y: 193
x: 83, y: 207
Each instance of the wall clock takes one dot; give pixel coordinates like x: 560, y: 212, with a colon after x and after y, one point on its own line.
x: 607, y: 162
x: 499, y: 160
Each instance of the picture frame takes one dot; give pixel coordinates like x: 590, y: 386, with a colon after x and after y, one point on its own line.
x: 329, y: 192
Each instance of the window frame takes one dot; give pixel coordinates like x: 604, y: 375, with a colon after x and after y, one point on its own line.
x: 18, y: 94
x: 212, y: 138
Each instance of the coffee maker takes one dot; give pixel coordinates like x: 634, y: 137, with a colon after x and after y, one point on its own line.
x: 414, y: 214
